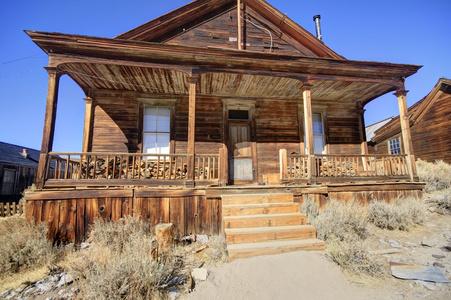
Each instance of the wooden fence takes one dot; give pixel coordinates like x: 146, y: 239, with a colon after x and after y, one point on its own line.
x: 9, y: 209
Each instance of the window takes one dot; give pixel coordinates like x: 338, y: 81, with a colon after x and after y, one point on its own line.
x: 319, y: 141
x: 394, y: 146
x: 9, y: 178
x: 157, y: 130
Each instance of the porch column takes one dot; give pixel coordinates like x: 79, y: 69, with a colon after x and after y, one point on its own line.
x: 49, y: 124
x: 192, y: 80
x: 405, y: 132
x: 88, y: 124
x: 310, y: 151
x: 363, y: 142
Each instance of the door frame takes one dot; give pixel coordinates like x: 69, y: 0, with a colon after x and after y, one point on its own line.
x: 249, y: 105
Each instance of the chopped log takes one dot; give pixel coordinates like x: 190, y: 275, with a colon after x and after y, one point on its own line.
x: 165, y: 237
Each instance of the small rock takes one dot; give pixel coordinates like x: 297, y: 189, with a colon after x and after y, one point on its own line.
x: 438, y: 264
x: 173, y: 295
x: 432, y: 209
x: 5, y: 293
x: 382, y: 241
x: 399, y: 293
x: 427, y: 285
x: 43, y: 287
x: 84, y: 245
x: 417, y: 294
x: 202, y: 238
x: 438, y: 256
x: 200, y: 274
x: 50, y: 298
x: 426, y: 243
x: 394, y: 244
x: 176, y: 280
x: 65, y: 279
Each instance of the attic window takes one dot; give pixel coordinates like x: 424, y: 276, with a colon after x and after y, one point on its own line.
x: 235, y: 114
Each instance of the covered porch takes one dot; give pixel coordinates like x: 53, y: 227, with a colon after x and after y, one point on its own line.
x: 276, y: 139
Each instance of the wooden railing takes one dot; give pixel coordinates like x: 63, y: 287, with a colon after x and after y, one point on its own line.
x: 9, y: 209
x: 296, y: 166
x: 115, y: 166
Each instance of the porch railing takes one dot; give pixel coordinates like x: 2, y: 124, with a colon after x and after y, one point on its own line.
x: 296, y: 166
x: 115, y: 166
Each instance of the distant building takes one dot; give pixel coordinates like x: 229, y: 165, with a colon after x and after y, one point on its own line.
x: 18, y: 166
x: 430, y: 123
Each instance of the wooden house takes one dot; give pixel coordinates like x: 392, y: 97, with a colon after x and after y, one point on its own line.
x: 218, y: 109
x: 18, y: 166
x: 430, y: 123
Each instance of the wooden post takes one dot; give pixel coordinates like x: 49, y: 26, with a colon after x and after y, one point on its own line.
x: 49, y: 124
x: 283, y: 164
x: 240, y: 27
x: 165, y: 237
x: 362, y: 132
x: 192, y: 80
x: 88, y: 124
x: 308, y: 122
x: 223, y: 167
x: 405, y: 132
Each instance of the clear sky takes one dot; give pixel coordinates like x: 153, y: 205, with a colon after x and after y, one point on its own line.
x: 397, y: 31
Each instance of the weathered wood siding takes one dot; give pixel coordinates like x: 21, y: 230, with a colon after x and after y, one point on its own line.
x: 68, y: 214
x: 222, y: 32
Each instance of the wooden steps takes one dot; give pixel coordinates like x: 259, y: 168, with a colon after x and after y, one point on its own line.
x: 265, y: 223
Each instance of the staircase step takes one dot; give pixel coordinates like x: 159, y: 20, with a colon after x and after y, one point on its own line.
x: 265, y: 220
x: 237, y: 199
x: 260, y: 209
x: 275, y: 247
x: 261, y: 234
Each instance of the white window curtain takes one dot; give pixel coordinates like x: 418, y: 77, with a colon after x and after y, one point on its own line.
x: 156, y: 130
x: 319, y: 144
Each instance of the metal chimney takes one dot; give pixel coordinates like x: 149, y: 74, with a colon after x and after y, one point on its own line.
x: 316, y: 18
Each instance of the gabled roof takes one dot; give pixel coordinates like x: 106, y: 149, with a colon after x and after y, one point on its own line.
x: 13, y: 154
x: 195, y: 13
x: 416, y: 112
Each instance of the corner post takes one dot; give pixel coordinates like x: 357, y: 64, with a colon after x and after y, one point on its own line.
x: 363, y: 143
x: 49, y: 124
x: 87, y: 130
x: 405, y: 132
x: 192, y: 80
x: 308, y: 121
x: 240, y: 26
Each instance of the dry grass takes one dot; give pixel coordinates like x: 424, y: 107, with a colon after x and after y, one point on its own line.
x: 310, y: 208
x: 402, y: 214
x: 23, y: 246
x: 340, y: 221
x: 444, y: 204
x: 436, y: 175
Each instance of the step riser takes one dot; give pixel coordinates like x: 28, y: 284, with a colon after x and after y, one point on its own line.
x: 242, y: 211
x: 233, y: 238
x: 269, y: 221
x: 256, y: 199
x: 319, y: 246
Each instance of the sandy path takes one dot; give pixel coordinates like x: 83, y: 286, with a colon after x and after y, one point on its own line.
x: 295, y: 275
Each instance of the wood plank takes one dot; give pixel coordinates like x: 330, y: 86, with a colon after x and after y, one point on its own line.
x: 76, y: 194
x: 80, y: 233
x: 50, y: 215
x: 67, y: 221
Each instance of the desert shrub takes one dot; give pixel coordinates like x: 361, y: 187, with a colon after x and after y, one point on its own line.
x: 436, y: 175
x: 217, y: 250
x: 401, y: 214
x: 24, y: 245
x: 340, y: 221
x: 119, y: 262
x: 352, y: 254
x: 444, y: 203
x: 310, y: 208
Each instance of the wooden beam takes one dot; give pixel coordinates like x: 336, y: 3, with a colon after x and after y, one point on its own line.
x: 49, y: 124
x: 362, y: 133
x: 87, y: 130
x: 405, y: 131
x: 308, y: 123
x: 240, y: 29
x: 192, y: 80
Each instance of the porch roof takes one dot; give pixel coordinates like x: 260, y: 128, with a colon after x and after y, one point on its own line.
x: 155, y: 68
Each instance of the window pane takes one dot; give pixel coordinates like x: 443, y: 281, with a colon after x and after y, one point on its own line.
x: 164, y: 119
x: 150, y: 119
x: 149, y: 143
x: 235, y: 114
x: 318, y: 142
x: 163, y: 141
x: 317, y: 124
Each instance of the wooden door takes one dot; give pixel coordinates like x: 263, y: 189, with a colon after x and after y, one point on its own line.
x: 240, y: 153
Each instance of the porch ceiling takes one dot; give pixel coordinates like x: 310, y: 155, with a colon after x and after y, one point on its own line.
x: 172, y: 82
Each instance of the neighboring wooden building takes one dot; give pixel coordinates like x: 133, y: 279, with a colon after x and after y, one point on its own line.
x: 18, y: 166
x: 430, y: 123
x: 209, y: 112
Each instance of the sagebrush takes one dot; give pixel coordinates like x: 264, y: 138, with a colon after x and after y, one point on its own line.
x: 24, y: 245
x: 402, y: 214
x: 436, y: 175
x: 309, y: 207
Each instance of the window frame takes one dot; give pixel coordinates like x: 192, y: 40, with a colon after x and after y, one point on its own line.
x: 394, y: 150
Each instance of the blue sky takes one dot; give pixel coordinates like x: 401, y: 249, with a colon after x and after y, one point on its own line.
x: 398, y: 31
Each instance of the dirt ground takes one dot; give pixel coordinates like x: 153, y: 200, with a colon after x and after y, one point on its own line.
x: 311, y: 275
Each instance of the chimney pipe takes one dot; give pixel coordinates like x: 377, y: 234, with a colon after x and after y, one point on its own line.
x: 316, y: 18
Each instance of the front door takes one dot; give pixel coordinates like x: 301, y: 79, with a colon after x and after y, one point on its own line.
x: 240, y: 152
